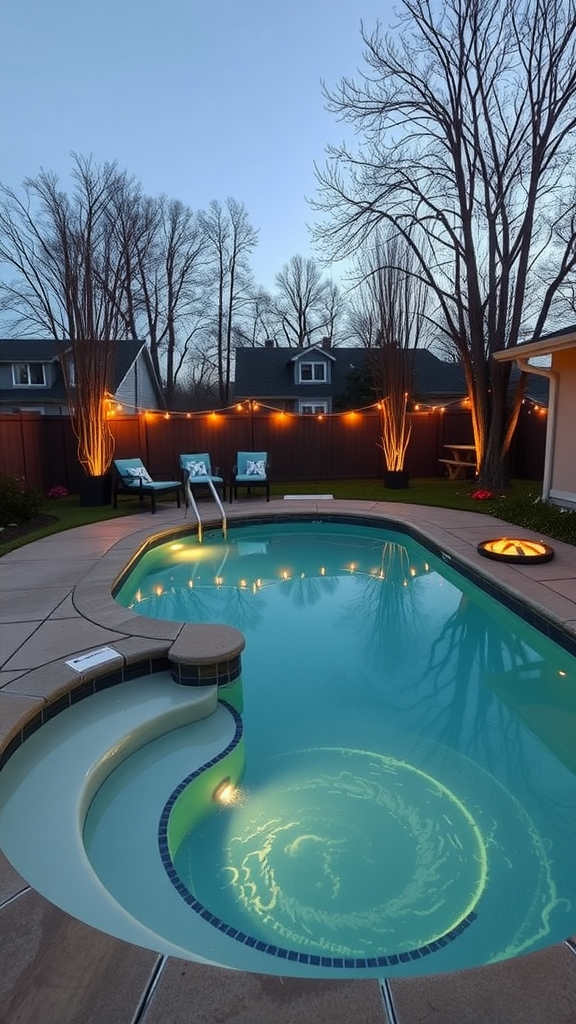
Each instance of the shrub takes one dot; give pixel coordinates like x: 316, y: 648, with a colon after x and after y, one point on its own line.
x: 529, y: 511
x: 18, y: 502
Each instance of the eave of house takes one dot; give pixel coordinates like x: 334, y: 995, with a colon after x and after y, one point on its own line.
x: 317, y: 350
x: 540, y: 347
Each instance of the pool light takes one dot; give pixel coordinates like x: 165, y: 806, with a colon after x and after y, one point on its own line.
x: 515, y: 549
x: 225, y: 792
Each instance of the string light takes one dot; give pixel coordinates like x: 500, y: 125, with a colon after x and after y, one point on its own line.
x: 284, y: 415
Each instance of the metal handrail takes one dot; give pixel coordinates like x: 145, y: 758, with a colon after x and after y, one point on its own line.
x: 192, y: 502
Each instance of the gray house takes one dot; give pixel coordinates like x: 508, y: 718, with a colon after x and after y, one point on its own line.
x: 31, y: 378
x: 310, y: 380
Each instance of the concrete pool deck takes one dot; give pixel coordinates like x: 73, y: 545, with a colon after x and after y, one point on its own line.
x: 55, y: 604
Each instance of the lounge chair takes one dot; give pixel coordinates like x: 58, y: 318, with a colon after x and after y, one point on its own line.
x: 198, y: 469
x: 132, y: 477
x: 251, y: 469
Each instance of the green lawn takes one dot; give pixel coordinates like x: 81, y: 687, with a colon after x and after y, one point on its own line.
x: 422, y: 491
x: 519, y: 500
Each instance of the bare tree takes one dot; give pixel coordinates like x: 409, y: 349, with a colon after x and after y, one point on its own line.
x: 467, y: 117
x: 230, y: 239
x: 391, y: 313
x: 305, y: 303
x: 69, y: 261
x: 170, y: 282
x: 332, y: 311
x: 197, y: 385
x: 258, y: 322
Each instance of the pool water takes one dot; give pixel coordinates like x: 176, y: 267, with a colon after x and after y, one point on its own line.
x: 409, y: 791
x: 398, y: 761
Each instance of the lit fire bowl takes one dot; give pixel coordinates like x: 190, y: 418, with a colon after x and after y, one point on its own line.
x: 515, y: 549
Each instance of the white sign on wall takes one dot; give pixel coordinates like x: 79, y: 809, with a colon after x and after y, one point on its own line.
x: 99, y: 657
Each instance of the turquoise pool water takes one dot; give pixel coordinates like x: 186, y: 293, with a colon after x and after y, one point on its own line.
x: 409, y: 789
x: 398, y: 760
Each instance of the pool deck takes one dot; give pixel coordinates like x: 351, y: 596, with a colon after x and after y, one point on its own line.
x: 55, y: 604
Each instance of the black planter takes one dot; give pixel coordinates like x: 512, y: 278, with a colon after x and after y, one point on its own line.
x: 95, y: 490
x: 396, y: 479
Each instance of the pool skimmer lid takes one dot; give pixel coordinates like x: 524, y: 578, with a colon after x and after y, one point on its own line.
x: 516, y: 549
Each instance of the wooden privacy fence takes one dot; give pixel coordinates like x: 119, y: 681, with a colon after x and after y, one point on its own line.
x: 42, y: 449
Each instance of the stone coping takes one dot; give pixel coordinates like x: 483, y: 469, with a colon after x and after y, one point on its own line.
x: 206, y: 644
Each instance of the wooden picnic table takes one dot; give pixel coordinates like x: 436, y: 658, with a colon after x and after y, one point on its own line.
x: 463, y: 457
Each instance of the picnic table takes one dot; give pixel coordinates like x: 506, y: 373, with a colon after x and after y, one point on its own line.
x: 462, y: 459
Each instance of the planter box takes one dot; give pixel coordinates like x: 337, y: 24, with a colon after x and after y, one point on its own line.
x: 95, y: 490
x: 396, y: 479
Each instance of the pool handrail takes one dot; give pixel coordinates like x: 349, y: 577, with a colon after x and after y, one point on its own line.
x: 191, y: 502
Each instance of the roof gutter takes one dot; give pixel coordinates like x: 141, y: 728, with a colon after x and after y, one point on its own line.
x: 541, y: 371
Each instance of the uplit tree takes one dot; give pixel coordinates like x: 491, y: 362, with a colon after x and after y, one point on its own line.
x: 70, y: 282
x: 466, y: 121
x: 389, y: 311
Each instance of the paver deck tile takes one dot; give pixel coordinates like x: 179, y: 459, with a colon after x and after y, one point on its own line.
x: 56, y: 970
x: 535, y: 989
x: 188, y: 992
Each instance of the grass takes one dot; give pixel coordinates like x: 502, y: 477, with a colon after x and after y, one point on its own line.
x: 422, y: 491
x: 520, y: 502
x: 68, y: 514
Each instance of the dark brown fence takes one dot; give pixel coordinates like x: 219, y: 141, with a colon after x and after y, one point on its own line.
x: 42, y: 449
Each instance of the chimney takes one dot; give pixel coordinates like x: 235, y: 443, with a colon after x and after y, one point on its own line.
x: 269, y: 343
x: 326, y: 343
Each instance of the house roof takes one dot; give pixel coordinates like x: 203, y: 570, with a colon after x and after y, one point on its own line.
x: 27, y: 351
x: 542, y: 346
x: 269, y: 373
x: 37, y: 350
x: 311, y: 350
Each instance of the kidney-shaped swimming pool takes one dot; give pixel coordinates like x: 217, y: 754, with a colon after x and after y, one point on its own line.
x: 389, y: 789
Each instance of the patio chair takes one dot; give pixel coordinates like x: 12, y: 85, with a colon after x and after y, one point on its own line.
x: 132, y: 477
x: 251, y: 469
x: 198, y: 469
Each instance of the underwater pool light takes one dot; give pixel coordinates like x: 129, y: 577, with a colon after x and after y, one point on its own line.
x: 224, y: 792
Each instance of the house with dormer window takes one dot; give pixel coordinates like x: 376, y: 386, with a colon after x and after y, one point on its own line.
x: 31, y: 377
x: 310, y: 380
x: 303, y: 380
x: 312, y: 368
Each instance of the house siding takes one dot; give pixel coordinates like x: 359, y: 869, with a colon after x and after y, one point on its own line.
x: 137, y: 390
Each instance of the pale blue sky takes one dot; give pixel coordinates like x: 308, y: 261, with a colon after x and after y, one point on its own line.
x: 199, y: 99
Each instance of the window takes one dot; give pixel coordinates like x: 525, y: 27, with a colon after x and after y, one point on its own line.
x: 313, y: 372
x: 28, y: 374
x: 313, y: 408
